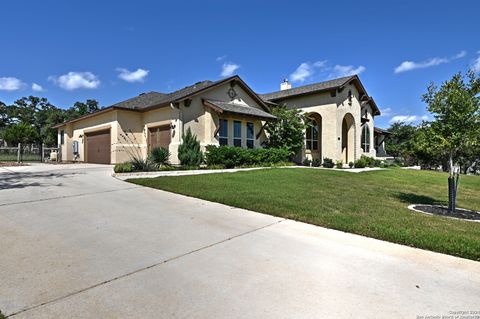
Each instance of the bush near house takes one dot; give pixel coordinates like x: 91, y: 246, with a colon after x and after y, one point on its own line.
x: 307, y: 162
x: 366, y: 161
x: 230, y: 156
x: 339, y: 164
x: 126, y: 167
x: 316, y: 162
x: 160, y: 156
x: 328, y: 162
x: 189, y: 152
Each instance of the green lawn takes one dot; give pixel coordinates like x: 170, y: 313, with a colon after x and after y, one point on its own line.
x: 373, y: 203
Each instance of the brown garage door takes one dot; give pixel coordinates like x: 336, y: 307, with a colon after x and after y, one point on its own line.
x: 98, y: 147
x: 159, y: 137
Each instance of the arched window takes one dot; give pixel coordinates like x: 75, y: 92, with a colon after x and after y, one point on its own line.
x: 365, y: 141
x: 312, y: 135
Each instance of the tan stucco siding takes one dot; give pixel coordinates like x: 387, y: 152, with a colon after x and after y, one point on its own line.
x: 130, y: 139
x: 164, y: 116
x: 76, y: 132
x: 332, y: 111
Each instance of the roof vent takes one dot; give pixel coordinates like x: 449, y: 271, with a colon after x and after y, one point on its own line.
x: 285, y: 85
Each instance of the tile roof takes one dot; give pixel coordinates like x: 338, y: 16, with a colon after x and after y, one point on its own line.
x: 238, y: 108
x: 320, y: 86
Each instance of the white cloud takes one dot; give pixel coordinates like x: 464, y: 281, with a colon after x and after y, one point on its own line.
x: 408, y: 118
x: 460, y: 54
x: 346, y: 70
x: 387, y: 111
x: 411, y: 65
x: 76, y: 80
x: 302, y: 73
x: 11, y: 84
x: 135, y: 76
x: 476, y: 64
x: 229, y: 68
x: 37, y: 87
x: 221, y: 58
x: 307, y: 70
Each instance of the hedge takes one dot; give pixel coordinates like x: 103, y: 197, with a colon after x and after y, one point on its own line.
x: 230, y: 156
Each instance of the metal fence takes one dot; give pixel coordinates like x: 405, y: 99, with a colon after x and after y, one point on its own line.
x: 28, y: 153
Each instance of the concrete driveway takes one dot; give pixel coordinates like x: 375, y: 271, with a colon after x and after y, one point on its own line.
x: 77, y: 243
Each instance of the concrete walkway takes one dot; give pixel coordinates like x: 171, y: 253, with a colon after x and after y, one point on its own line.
x: 77, y: 243
x: 125, y: 176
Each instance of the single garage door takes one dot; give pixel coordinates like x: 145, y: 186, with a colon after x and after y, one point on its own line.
x: 98, y: 147
x: 159, y: 136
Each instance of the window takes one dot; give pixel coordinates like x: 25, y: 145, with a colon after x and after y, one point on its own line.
x: 223, y: 133
x: 237, y: 133
x: 250, y: 133
x: 312, y: 135
x: 365, y: 139
x: 62, y: 138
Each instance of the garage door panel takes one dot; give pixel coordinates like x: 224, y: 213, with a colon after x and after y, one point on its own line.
x: 99, y: 147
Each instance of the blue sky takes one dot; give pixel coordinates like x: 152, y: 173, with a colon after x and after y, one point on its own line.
x: 113, y: 50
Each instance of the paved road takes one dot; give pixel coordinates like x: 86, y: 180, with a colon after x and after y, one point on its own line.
x: 77, y: 243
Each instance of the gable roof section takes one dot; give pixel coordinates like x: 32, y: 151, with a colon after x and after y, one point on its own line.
x: 307, y: 89
x: 141, y: 101
x: 151, y: 100
x: 320, y: 87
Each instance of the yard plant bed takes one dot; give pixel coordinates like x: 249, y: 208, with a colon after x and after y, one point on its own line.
x: 373, y: 204
x: 443, y: 211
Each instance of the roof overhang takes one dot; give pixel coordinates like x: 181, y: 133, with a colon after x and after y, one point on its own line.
x: 218, y: 109
x: 380, y: 131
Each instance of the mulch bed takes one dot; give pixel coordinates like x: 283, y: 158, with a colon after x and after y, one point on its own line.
x: 4, y: 164
x: 443, y: 211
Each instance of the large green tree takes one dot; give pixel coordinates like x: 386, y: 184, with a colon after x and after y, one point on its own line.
x: 40, y: 114
x: 399, y: 142
x: 82, y: 108
x: 288, y: 130
x: 20, y: 133
x: 455, y: 130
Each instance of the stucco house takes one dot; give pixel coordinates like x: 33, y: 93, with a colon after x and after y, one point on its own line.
x: 225, y: 112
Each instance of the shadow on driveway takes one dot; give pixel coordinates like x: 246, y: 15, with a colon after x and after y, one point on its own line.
x: 21, y: 180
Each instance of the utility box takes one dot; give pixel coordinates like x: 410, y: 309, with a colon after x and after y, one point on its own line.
x: 75, y: 150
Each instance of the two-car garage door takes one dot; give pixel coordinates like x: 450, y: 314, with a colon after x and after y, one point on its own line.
x: 98, y: 148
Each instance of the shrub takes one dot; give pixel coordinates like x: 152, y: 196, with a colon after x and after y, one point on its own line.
x: 328, y: 162
x: 229, y: 156
x: 307, y: 162
x: 159, y: 156
x: 339, y: 164
x: 189, y: 152
x: 316, y: 162
x: 350, y: 164
x: 366, y: 161
x: 143, y: 165
x: 126, y: 167
x: 361, y: 163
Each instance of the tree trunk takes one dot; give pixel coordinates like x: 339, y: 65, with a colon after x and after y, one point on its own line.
x: 452, y: 186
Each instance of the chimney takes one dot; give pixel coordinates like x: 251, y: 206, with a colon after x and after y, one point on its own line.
x: 285, y: 85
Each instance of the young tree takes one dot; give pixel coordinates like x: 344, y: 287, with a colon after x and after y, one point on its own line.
x: 456, y: 128
x: 189, y: 152
x: 288, y: 130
